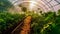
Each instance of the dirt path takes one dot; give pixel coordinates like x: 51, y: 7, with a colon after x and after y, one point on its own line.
x: 26, y: 26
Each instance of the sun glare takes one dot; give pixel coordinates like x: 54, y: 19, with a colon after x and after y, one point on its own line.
x: 31, y: 5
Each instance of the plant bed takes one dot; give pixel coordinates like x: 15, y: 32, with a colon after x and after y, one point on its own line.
x: 46, y: 23
x: 9, y: 21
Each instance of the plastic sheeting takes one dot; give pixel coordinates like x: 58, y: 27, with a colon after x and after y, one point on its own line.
x: 44, y: 5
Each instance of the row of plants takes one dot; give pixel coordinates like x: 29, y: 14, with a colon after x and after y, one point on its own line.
x: 8, y: 20
x: 45, y: 23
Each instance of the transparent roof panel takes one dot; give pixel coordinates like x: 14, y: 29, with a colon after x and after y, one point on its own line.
x: 44, y: 5
x: 58, y: 1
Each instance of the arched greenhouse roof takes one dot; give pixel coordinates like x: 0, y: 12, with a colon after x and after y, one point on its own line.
x: 44, y: 5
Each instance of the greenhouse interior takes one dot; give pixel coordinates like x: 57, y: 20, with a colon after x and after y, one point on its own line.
x: 29, y: 16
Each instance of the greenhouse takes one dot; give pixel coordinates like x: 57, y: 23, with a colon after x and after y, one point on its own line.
x: 29, y: 16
